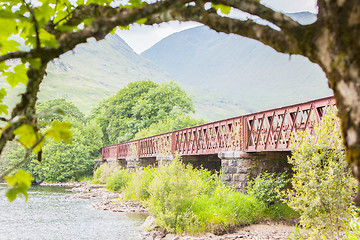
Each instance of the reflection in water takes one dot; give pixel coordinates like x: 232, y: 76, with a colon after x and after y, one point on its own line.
x: 49, y: 215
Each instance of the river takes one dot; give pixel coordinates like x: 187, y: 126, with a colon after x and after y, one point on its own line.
x: 49, y: 215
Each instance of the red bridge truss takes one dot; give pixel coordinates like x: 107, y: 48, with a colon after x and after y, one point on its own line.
x: 257, y: 132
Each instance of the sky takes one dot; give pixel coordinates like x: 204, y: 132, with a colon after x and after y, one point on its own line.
x: 140, y: 38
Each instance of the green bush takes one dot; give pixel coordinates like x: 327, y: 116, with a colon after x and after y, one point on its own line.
x: 138, y: 187
x: 322, y: 183
x: 184, y: 199
x: 172, y: 192
x: 223, y: 210
x: 103, y: 172
x: 117, y: 180
x: 267, y: 187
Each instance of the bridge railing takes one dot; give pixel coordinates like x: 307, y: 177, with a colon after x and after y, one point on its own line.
x: 262, y: 131
x: 271, y: 130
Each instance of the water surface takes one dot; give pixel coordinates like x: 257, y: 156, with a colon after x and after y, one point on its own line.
x: 49, y: 215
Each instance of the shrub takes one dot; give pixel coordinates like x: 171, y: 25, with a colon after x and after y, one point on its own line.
x: 353, y: 225
x: 138, y: 187
x: 322, y: 182
x: 103, y: 172
x: 184, y: 199
x: 117, y: 180
x: 172, y: 192
x: 225, y: 209
x: 267, y: 186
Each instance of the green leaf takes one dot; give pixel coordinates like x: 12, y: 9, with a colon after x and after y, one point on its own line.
x: 19, y: 183
x: 136, y: 3
x: 7, y: 14
x: 124, y: 28
x: 88, y: 21
x: 11, y: 194
x: 2, y: 93
x: 35, y: 62
x: 60, y: 131
x: 3, y: 109
x: 28, y: 137
x: 47, y: 39
x: 141, y: 21
x: 223, y: 8
x: 18, y: 76
x: 113, y: 30
x: 3, y: 66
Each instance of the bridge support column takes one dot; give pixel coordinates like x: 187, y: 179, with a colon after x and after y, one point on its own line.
x: 164, y: 159
x: 235, y: 168
x: 238, y: 167
x: 132, y: 163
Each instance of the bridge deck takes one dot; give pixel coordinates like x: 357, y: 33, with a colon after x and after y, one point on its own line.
x: 257, y: 132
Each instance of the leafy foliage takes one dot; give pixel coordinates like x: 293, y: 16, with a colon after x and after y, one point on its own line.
x: 322, y: 183
x: 137, y: 106
x: 60, y: 131
x: 267, y: 187
x: 19, y: 183
x: 57, y: 109
x: 60, y: 161
x: 117, y: 180
x: 27, y: 136
x: 138, y: 187
x: 103, y: 172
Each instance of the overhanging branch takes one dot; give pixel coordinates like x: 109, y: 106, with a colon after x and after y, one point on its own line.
x: 278, y: 40
x: 16, y: 55
x: 256, y: 8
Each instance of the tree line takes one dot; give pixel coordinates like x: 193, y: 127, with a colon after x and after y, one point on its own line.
x: 140, y: 109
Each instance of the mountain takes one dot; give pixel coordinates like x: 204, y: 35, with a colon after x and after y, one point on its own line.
x: 93, y: 71
x: 230, y: 75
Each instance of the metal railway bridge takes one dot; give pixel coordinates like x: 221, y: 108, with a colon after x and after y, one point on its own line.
x: 235, y: 143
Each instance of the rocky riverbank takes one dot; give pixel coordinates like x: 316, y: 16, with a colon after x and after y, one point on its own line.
x: 256, y: 231
x: 110, y: 201
x: 64, y: 184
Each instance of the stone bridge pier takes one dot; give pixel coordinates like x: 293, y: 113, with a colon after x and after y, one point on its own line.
x: 238, y: 167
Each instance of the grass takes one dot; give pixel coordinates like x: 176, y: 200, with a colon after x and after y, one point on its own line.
x: 86, y: 178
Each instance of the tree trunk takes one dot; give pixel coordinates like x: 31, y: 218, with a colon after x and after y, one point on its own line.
x: 338, y: 54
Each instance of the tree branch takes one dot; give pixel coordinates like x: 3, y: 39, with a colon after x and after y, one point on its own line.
x: 15, y: 55
x: 278, y: 40
x: 256, y: 8
x: 36, y: 24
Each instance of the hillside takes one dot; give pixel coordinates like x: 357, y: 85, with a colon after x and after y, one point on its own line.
x: 94, y: 71
x: 230, y: 75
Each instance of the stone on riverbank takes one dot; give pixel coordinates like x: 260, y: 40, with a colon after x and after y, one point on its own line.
x: 112, y: 199
x: 256, y: 231
x: 126, y: 206
x: 64, y: 184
